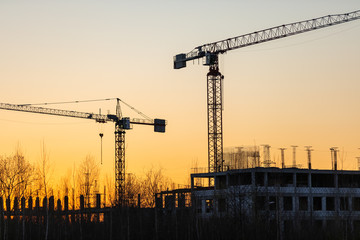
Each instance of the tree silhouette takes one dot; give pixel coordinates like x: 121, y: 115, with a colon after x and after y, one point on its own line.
x: 87, y: 175
x: 16, y: 175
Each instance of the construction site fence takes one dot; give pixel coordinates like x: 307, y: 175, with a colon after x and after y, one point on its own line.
x: 28, y: 219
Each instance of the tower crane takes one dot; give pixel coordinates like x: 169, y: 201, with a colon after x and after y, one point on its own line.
x: 121, y: 124
x: 210, y: 54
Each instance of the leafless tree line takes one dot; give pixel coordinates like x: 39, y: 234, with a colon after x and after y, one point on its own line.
x: 16, y: 176
x: 143, y: 189
x: 21, y: 178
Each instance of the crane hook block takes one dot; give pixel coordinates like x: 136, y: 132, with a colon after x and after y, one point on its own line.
x: 159, y: 125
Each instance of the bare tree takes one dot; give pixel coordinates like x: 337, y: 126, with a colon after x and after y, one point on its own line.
x: 44, y: 171
x: 153, y: 182
x: 110, y: 193
x: 87, y: 174
x: 16, y: 175
x: 132, y: 189
x: 65, y: 184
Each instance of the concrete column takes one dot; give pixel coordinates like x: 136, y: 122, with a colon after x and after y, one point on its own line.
x: 323, y: 204
x: 350, y: 199
x: 336, y: 179
x: 310, y: 199
x: 266, y: 183
x: 281, y: 204
x: 203, y: 206
x: 295, y: 199
x: 337, y: 199
x: 295, y: 202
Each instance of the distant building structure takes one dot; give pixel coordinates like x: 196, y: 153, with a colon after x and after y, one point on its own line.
x: 287, y: 196
x: 281, y: 195
x: 242, y: 157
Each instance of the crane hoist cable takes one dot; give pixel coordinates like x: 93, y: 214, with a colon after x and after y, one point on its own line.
x: 90, y: 100
x: 101, y: 134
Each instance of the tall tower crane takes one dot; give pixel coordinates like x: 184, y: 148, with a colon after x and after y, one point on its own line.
x: 121, y: 124
x: 210, y: 54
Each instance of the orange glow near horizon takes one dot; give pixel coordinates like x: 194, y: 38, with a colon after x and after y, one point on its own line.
x: 301, y: 90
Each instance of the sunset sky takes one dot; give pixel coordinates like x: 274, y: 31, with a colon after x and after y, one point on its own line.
x: 301, y: 90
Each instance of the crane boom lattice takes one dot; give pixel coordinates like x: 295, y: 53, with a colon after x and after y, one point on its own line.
x: 262, y: 36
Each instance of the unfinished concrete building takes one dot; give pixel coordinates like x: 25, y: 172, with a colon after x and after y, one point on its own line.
x: 282, y: 195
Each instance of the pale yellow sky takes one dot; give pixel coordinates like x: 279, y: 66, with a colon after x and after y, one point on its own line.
x: 302, y: 90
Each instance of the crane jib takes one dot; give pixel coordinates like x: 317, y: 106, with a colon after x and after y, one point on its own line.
x: 159, y: 124
x: 262, y: 36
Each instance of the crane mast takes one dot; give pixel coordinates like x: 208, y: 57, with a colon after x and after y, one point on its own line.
x: 121, y: 124
x: 119, y: 164
x: 119, y: 158
x: 214, y: 115
x: 210, y: 52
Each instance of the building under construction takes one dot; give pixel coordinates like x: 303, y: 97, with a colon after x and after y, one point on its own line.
x: 287, y: 196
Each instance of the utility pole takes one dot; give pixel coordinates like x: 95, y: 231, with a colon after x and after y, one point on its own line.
x: 282, y: 157
x: 294, y: 155
x: 308, y: 149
